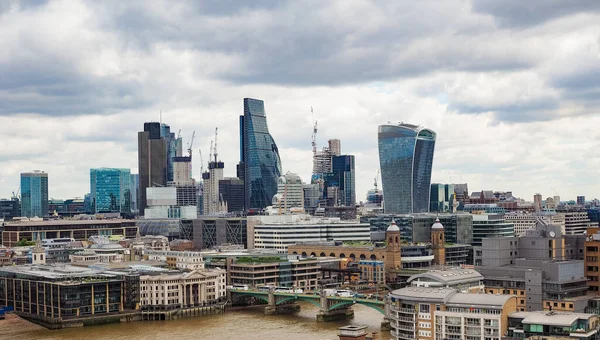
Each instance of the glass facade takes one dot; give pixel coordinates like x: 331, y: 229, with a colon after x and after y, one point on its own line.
x: 406, y: 159
x: 172, y: 144
x: 34, y: 194
x: 343, y: 177
x: 110, y: 190
x: 262, y: 165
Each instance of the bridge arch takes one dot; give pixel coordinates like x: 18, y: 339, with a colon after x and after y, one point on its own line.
x: 379, y: 308
x: 332, y: 255
x: 302, y: 298
x: 322, y: 254
x: 261, y: 297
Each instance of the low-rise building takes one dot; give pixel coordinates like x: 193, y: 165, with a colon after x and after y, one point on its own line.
x: 464, y: 280
x: 524, y: 221
x: 190, y: 260
x: 372, y: 271
x: 445, y: 313
x: 552, y: 325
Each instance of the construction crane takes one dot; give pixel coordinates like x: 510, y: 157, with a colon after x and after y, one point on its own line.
x: 179, y: 134
x: 314, y: 134
x: 215, y: 150
x: 375, y: 180
x: 211, y: 152
x: 191, y: 144
x: 201, y: 162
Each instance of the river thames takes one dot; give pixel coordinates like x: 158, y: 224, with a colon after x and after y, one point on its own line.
x: 247, y: 324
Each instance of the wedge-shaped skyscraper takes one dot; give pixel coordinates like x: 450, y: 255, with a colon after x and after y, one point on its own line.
x: 406, y: 158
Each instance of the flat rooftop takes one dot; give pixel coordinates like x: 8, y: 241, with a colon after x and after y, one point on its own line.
x: 67, y: 222
x: 550, y: 318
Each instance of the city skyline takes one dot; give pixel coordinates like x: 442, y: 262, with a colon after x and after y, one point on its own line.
x: 500, y: 110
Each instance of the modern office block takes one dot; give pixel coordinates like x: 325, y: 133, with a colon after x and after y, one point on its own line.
x: 111, y: 190
x: 152, y: 160
x: 34, y: 194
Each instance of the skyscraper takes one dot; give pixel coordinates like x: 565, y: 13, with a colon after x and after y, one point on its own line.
x: 260, y: 156
x: 135, y: 192
x: 110, y: 190
x: 34, y: 194
x: 406, y: 158
x: 343, y: 175
x: 173, y: 148
x: 152, y: 160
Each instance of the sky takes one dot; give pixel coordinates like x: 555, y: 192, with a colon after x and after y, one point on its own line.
x: 511, y: 87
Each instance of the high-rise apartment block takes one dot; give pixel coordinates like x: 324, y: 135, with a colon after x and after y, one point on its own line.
x: 259, y: 155
x: 111, y: 190
x: 152, y: 160
x: 406, y: 159
x: 34, y: 194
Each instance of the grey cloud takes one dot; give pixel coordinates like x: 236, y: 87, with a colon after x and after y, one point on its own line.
x: 539, y: 109
x: 510, y: 13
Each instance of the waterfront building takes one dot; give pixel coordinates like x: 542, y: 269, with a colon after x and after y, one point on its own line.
x: 290, y: 194
x: 543, y: 268
x: 552, y: 325
x: 10, y: 209
x: 463, y: 280
x: 406, y: 159
x: 167, y: 289
x: 372, y: 271
x: 111, y: 190
x: 524, y: 221
x: 152, y: 159
x: 80, y: 230
x: 274, y: 232
x: 445, y: 313
x: 259, y: 155
x: 34, y: 194
x: 490, y: 226
x: 49, y: 293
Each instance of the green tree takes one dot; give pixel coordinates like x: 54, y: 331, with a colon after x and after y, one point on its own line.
x: 25, y: 243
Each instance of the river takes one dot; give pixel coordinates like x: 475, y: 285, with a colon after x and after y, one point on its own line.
x: 245, y: 324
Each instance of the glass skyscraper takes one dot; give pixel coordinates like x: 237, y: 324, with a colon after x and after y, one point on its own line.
x: 260, y: 156
x: 34, y: 194
x: 342, y: 176
x: 110, y: 190
x: 405, y: 158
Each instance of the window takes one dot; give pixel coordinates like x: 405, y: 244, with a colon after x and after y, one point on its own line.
x: 424, y: 308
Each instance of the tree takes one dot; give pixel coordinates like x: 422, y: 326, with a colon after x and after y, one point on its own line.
x: 25, y: 243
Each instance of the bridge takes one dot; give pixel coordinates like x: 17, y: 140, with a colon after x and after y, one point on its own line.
x: 330, y: 307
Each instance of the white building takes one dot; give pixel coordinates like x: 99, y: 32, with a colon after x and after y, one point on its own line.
x: 279, y: 231
x: 162, y: 204
x: 527, y: 221
x: 170, y: 290
x: 211, y: 202
x: 190, y: 260
x: 577, y: 222
x: 290, y: 194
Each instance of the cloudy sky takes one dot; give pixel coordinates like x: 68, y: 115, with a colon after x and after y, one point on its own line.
x: 511, y: 87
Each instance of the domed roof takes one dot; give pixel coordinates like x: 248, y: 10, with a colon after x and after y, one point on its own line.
x: 437, y: 225
x: 393, y: 226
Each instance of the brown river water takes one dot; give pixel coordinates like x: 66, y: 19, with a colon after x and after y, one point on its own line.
x: 250, y: 324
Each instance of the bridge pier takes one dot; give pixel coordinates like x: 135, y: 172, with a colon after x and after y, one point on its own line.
x: 335, y: 315
x: 385, y: 324
x: 273, y: 308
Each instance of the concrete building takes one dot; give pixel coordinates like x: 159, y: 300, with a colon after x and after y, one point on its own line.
x: 537, y: 202
x: 162, y: 203
x: 463, y: 280
x: 184, y: 260
x: 490, y: 226
x: 50, y: 293
x: 280, y: 231
x: 34, y: 194
x: 211, y: 199
x: 577, y: 222
x: 152, y: 160
x: 211, y: 232
x: 538, y: 268
x: 592, y: 260
x: 80, y: 230
x: 524, y: 221
x: 290, y: 194
x: 444, y: 313
x: 552, y: 325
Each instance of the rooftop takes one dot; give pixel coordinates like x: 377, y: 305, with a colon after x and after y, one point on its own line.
x: 550, y: 318
x: 450, y: 276
x: 450, y: 296
x: 65, y: 222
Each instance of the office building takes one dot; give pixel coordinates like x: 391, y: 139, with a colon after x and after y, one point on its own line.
x: 581, y: 200
x: 111, y: 190
x: 211, y: 199
x: 280, y: 231
x: 524, y: 221
x: 322, y: 160
x: 49, y: 294
x: 540, y: 268
x: 10, y: 209
x: 537, y: 202
x: 163, y: 203
x: 210, y: 232
x: 231, y: 193
x: 444, y: 313
x: 260, y: 156
x: 342, y: 178
x: 182, y: 171
x: 173, y: 145
x: 290, y: 194
x: 152, y: 160
x: 134, y: 188
x: 490, y: 226
x: 34, y: 194
x: 80, y: 230
x: 312, y: 197
x: 577, y: 222
x: 442, y: 198
x: 406, y: 159
x: 463, y: 280
x: 552, y: 325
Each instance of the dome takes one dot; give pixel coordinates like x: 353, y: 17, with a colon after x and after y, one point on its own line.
x: 437, y: 225
x: 393, y: 226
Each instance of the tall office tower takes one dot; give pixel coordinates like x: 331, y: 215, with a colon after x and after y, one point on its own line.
x: 172, y: 148
x: 34, y: 194
x: 262, y: 165
x: 290, y: 193
x: 134, y: 187
x: 322, y: 159
x: 556, y: 200
x: 111, y: 190
x: 343, y: 177
x: 406, y: 159
x: 231, y: 194
x: 182, y: 170
x: 211, y: 198
x: 537, y: 202
x: 152, y: 160
x: 581, y: 200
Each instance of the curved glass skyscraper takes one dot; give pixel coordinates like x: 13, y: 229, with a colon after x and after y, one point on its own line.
x: 260, y: 156
x: 406, y: 158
